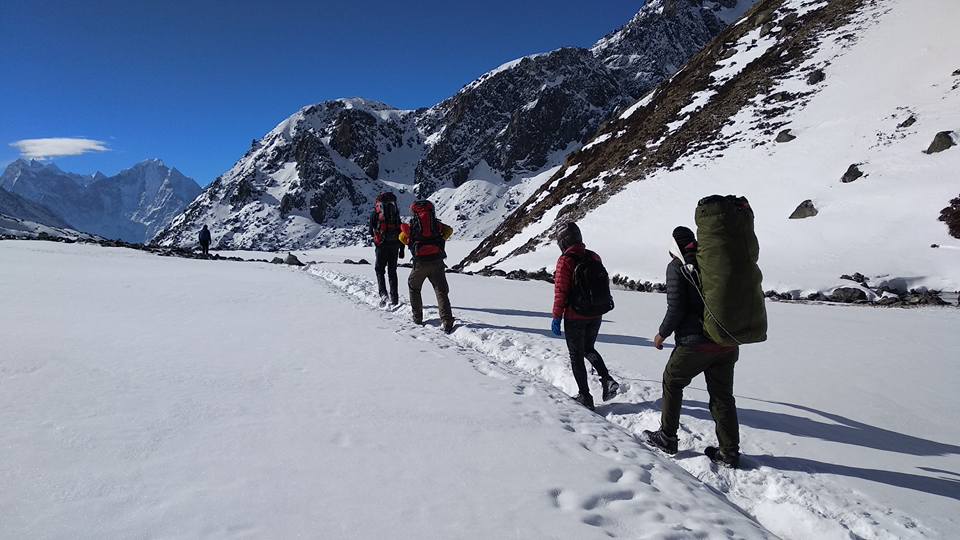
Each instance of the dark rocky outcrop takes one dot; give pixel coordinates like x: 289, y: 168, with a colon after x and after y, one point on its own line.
x: 785, y: 136
x: 911, y: 120
x: 806, y: 209
x: 292, y: 260
x: 853, y: 173
x: 941, y: 141
x: 848, y: 295
x: 951, y: 216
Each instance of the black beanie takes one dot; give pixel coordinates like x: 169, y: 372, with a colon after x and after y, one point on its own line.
x: 683, y: 237
x: 569, y: 236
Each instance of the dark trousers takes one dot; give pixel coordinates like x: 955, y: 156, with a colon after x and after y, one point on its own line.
x: 435, y: 272
x: 716, y: 363
x: 386, y: 262
x: 205, y: 248
x: 581, y: 343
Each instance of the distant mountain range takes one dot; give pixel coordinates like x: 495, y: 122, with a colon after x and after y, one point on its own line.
x: 132, y: 205
x: 311, y: 181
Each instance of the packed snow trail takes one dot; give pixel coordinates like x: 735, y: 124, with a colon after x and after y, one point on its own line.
x: 810, y: 471
x: 145, y: 396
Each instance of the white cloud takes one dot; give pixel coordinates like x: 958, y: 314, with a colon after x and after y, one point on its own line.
x: 58, y: 146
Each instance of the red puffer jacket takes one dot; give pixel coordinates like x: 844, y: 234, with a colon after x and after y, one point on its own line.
x: 563, y: 281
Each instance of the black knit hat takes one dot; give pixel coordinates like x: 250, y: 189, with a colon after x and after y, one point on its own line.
x: 569, y: 236
x: 684, y: 237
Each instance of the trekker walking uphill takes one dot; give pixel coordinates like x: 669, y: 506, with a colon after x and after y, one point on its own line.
x: 427, y: 237
x: 205, y: 241
x: 581, y: 295
x: 385, y: 229
x: 714, y: 305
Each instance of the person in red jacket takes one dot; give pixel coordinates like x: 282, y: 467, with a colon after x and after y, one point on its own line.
x: 582, y: 331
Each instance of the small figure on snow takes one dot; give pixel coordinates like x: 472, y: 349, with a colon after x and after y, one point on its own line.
x: 581, y: 296
x: 385, y: 229
x: 205, y: 241
x: 426, y: 235
x: 694, y: 354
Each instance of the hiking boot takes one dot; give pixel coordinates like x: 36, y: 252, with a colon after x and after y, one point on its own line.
x: 730, y: 461
x: 662, y: 441
x: 585, y: 399
x: 383, y: 300
x: 610, y: 388
x: 448, y: 327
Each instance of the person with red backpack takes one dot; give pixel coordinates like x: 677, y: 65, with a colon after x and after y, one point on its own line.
x: 385, y: 229
x: 581, y: 295
x: 426, y: 235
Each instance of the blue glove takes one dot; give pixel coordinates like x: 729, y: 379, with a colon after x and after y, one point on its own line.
x: 555, y: 327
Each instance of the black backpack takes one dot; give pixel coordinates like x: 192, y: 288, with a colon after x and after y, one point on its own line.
x: 388, y: 217
x: 590, y: 292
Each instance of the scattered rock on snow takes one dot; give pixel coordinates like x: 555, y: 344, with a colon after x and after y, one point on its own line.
x: 908, y: 122
x: 956, y: 73
x: 848, y: 295
x: 277, y: 260
x: 853, y: 173
x: 363, y: 261
x: 729, y: 53
x: 951, y: 216
x: 856, y: 277
x: 789, y: 20
x: 806, y: 209
x: 816, y: 77
x: 942, y: 141
x: 785, y: 136
x: 292, y: 260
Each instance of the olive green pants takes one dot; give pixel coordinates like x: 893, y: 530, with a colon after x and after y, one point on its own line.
x: 435, y: 271
x: 716, y: 363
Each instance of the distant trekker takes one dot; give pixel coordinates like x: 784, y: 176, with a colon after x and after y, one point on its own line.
x: 385, y: 229
x: 205, y: 241
x: 427, y: 237
x: 581, y: 296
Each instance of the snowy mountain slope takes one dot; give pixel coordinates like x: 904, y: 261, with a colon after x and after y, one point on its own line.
x: 131, y: 205
x: 205, y: 422
x: 478, y: 153
x: 14, y: 205
x: 18, y: 227
x: 848, y: 429
x: 855, y: 83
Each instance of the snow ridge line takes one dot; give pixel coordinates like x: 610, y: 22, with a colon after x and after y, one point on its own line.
x: 789, y: 504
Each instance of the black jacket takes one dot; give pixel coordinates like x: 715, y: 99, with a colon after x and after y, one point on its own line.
x: 684, y: 304
x: 204, y: 236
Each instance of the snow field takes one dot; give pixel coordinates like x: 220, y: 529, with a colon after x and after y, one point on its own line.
x: 162, y: 397
x: 812, y: 471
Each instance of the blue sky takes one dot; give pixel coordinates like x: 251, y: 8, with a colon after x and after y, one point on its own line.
x: 193, y: 82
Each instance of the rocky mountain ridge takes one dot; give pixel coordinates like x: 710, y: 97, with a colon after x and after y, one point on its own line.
x: 776, y: 108
x: 311, y: 181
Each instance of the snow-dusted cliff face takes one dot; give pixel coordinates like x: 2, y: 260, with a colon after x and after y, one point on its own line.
x: 132, y: 205
x: 312, y: 180
x: 14, y: 205
x: 836, y: 119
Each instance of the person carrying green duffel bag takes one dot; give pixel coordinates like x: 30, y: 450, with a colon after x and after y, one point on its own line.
x: 704, y: 281
x: 735, y: 312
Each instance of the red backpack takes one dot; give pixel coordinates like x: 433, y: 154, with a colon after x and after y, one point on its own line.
x: 426, y: 234
x: 388, y: 219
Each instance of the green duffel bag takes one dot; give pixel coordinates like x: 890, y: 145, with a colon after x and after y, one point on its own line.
x: 735, y: 312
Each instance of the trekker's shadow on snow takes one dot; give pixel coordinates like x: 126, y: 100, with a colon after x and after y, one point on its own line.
x: 945, y: 487
x: 602, y: 338
x: 842, y: 430
x: 511, y: 312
